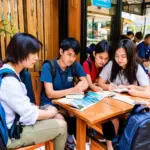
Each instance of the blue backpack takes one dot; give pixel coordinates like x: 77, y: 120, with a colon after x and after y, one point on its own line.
x: 16, y: 128
x: 136, y: 135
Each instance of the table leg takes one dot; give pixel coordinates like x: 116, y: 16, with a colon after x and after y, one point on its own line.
x: 81, y: 134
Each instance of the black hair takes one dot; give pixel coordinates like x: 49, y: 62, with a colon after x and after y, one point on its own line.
x: 139, y: 35
x: 123, y: 37
x: 130, y: 33
x: 70, y: 43
x: 91, y: 48
x: 147, y: 36
x: 131, y: 68
x: 101, y: 47
x: 20, y: 46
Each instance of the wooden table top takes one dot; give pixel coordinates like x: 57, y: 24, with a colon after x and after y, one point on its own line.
x: 106, y: 109
x: 99, y: 112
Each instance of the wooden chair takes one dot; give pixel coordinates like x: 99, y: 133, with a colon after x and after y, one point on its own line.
x: 35, y: 77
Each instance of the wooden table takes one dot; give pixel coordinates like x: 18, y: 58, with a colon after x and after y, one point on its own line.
x: 102, y: 111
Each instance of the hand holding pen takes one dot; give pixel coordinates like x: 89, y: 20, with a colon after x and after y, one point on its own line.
x: 112, y: 86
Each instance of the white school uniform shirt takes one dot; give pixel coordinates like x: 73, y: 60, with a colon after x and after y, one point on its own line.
x: 142, y: 78
x: 14, y: 99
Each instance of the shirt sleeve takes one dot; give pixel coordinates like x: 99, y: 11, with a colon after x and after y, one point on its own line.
x: 79, y: 70
x: 46, y: 75
x: 86, y: 67
x: 142, y: 77
x: 141, y: 50
x: 13, y: 94
x: 106, y: 71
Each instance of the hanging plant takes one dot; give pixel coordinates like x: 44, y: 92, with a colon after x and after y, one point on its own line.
x: 7, y: 27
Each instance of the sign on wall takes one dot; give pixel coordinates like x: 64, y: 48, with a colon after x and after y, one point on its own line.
x: 102, y: 3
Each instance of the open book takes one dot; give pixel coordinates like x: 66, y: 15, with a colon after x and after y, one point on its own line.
x: 82, y: 103
x: 121, y: 90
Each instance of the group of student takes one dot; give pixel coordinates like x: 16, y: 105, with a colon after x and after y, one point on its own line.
x: 98, y: 73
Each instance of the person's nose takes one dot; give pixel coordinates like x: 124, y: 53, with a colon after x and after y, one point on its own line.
x: 120, y: 59
x: 36, y: 57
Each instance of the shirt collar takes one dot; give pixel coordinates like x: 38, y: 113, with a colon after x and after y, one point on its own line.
x: 60, y: 70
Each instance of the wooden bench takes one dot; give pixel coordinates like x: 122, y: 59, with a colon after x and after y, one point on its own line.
x: 35, y: 77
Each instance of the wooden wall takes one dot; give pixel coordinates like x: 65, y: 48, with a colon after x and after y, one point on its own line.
x: 40, y: 18
x: 37, y: 17
x: 74, y: 20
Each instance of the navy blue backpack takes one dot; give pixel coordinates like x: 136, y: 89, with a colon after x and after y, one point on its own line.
x: 136, y: 135
x: 16, y: 128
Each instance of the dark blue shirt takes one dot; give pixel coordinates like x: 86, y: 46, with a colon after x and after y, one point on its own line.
x: 63, y: 79
x: 143, y: 50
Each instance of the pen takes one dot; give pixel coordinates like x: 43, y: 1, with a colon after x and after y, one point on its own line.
x: 111, y: 82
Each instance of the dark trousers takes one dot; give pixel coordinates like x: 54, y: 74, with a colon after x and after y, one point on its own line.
x: 109, y: 130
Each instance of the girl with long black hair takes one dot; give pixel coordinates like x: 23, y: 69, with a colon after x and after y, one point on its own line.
x: 123, y: 71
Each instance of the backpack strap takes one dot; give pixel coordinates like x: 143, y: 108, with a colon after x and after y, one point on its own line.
x: 73, y: 69
x: 90, y: 65
x: 16, y: 128
x: 7, y: 72
x: 142, y: 109
x: 3, y: 127
x: 53, y: 68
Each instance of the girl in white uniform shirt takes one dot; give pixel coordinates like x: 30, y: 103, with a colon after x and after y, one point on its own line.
x: 123, y: 71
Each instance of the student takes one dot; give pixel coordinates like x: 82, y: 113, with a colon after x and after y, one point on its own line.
x: 129, y: 35
x: 38, y: 125
x: 92, y: 66
x: 144, y: 52
x: 63, y: 83
x: 138, y: 38
x: 123, y: 71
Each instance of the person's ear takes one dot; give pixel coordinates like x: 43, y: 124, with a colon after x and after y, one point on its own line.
x: 61, y: 51
x: 94, y: 53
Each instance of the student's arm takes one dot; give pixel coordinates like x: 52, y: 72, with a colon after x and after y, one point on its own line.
x: 83, y: 82
x: 46, y: 114
x: 144, y: 84
x: 87, y: 70
x: 136, y: 87
x: 93, y: 86
x: 102, y: 84
x: 81, y: 75
x: 144, y: 93
x: 105, y: 76
x: 18, y: 101
x: 51, y: 93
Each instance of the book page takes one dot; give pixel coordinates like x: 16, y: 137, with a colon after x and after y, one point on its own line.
x: 121, y: 90
x: 74, y: 96
x: 106, y: 93
x: 123, y: 98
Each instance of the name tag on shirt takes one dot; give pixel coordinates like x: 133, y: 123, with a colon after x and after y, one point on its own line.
x: 70, y: 79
